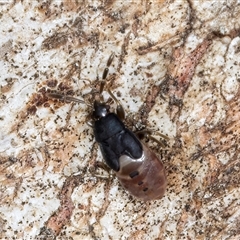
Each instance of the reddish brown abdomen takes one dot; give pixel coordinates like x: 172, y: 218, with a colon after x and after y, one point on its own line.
x: 144, y: 178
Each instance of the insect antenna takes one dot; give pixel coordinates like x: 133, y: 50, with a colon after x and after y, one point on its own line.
x: 66, y: 98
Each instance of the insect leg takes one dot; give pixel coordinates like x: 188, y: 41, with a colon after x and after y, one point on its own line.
x: 119, y: 110
x: 148, y: 134
x: 102, y: 166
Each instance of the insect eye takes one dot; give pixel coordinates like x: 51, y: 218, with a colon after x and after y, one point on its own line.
x: 134, y: 174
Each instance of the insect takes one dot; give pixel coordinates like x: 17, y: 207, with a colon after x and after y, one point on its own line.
x: 136, y: 166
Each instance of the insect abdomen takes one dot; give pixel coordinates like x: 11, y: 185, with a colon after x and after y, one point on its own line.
x: 144, y: 178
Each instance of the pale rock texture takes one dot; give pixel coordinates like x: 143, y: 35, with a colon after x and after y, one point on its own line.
x: 175, y: 71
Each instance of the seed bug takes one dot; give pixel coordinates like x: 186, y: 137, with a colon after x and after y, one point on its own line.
x: 136, y: 166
